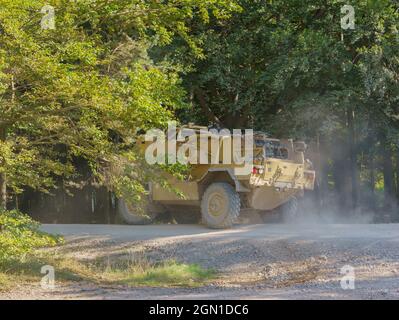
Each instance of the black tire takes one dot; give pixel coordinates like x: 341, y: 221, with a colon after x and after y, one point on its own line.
x: 134, y: 217
x: 290, y: 210
x: 220, y: 206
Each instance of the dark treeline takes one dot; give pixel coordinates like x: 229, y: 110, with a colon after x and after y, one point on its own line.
x: 334, y: 191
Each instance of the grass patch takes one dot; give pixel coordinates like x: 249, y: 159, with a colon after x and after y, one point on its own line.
x: 4, y: 282
x: 20, y: 237
x: 168, y: 273
x: 120, y: 272
x: 138, y: 272
x: 28, y: 269
x: 21, y: 261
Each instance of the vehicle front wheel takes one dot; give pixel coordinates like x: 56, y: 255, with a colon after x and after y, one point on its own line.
x: 220, y: 206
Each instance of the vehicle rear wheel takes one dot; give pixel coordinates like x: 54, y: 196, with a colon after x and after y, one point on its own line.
x: 220, y: 206
x: 290, y: 210
x: 132, y: 214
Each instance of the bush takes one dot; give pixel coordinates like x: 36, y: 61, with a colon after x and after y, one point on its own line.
x: 20, y: 235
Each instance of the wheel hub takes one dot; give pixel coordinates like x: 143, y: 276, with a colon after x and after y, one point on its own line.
x: 216, y: 205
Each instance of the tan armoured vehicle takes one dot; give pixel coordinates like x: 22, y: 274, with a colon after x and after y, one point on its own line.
x: 216, y: 193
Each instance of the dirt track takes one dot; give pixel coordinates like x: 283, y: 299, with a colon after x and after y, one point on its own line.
x: 256, y: 262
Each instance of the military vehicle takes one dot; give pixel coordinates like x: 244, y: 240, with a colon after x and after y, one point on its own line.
x: 216, y: 193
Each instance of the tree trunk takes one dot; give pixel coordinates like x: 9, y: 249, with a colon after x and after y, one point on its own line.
x: 200, y: 94
x: 322, y: 169
x: 353, y: 158
x: 340, y: 174
x: 3, y: 137
x: 397, y: 175
x: 371, y: 164
x: 369, y: 150
x: 387, y: 172
x: 3, y: 178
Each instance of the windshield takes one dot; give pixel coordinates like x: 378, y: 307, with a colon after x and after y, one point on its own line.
x: 273, y: 149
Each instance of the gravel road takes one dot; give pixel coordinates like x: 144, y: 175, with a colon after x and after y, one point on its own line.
x: 272, y: 261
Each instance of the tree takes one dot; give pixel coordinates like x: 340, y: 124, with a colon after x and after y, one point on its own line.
x: 289, y: 69
x: 85, y: 89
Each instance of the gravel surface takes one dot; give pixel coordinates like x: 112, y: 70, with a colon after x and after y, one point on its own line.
x: 255, y: 261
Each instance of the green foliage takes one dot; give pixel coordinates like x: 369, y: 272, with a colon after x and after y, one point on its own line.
x: 289, y: 69
x: 20, y: 236
x: 83, y: 92
x: 278, y: 62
